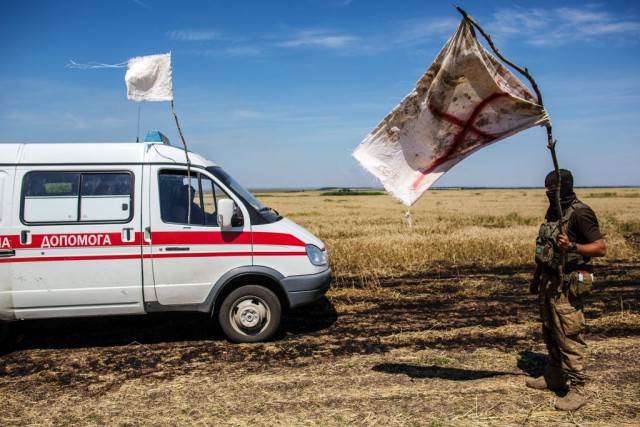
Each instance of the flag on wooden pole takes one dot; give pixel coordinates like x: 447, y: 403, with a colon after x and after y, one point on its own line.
x: 465, y: 101
x: 149, y: 78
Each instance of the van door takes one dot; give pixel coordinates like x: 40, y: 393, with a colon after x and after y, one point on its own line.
x: 79, y: 246
x: 8, y: 240
x: 190, y: 252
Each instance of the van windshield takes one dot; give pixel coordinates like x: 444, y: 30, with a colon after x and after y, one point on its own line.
x: 268, y: 214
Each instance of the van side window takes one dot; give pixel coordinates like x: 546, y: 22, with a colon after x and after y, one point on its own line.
x: 106, y: 196
x: 59, y: 197
x: 175, y: 187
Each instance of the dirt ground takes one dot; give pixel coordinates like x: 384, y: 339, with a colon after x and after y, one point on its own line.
x: 451, y: 346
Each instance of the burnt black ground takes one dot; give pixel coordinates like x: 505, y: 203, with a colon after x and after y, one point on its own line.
x: 96, y: 354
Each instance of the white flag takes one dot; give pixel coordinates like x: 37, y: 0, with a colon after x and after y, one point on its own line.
x: 465, y: 101
x: 149, y: 78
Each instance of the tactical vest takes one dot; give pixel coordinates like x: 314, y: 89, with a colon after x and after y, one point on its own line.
x: 547, y: 251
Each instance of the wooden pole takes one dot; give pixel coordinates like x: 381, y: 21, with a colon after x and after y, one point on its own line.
x: 551, y: 143
x: 186, y: 154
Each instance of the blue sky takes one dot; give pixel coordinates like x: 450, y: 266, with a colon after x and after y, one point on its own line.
x: 281, y: 92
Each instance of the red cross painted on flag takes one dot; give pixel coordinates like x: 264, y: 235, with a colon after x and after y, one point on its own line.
x: 465, y: 127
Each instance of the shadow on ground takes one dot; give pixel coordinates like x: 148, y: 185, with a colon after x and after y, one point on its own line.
x: 531, y: 363
x: 434, y: 371
x: 416, y: 313
x: 152, y: 328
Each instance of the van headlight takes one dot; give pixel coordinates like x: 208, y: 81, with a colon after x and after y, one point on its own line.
x: 317, y: 256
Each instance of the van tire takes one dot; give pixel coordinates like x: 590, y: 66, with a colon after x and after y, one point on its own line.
x: 249, y: 314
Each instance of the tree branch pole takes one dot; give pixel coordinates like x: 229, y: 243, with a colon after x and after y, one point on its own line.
x: 551, y: 143
x: 186, y: 155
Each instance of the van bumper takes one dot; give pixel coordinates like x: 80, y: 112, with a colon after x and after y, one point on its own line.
x: 306, y: 289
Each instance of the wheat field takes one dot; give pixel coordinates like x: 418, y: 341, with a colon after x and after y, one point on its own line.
x: 368, y: 236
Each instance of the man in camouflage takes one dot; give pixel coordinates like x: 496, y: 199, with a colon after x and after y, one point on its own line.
x: 561, y: 300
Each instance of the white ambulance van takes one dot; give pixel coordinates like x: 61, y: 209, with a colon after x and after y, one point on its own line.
x: 125, y: 228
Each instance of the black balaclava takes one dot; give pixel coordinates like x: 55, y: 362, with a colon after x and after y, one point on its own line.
x: 567, y: 196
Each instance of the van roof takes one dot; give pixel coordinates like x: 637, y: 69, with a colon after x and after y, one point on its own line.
x: 97, y: 153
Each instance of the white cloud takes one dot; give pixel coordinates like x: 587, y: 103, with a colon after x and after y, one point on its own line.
x: 194, y: 35
x: 60, y: 122
x: 564, y: 25
x: 245, y: 50
x: 246, y: 114
x: 403, y: 34
x: 224, y: 52
x: 318, y: 38
x: 142, y: 4
x: 536, y: 26
x: 418, y: 30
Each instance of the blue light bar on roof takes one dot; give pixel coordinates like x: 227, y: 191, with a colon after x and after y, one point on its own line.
x: 157, y: 137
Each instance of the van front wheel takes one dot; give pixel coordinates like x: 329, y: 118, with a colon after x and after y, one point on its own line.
x: 250, y: 314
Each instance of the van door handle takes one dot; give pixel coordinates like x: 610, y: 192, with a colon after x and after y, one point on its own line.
x: 6, y: 253
x: 127, y: 235
x: 25, y: 237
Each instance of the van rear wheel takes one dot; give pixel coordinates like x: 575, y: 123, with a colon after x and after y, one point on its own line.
x: 250, y: 314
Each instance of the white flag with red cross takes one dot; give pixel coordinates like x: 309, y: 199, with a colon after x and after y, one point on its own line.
x: 465, y: 101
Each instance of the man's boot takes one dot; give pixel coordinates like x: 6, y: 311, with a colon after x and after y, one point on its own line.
x: 574, y: 399
x: 553, y: 379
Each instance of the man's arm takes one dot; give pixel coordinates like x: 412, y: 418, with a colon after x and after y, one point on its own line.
x: 591, y: 250
x: 534, y: 286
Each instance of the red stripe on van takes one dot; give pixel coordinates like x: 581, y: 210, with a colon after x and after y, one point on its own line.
x: 12, y: 242
x: 159, y: 238
x: 200, y: 238
x: 71, y: 258
x: 146, y: 256
x: 279, y: 253
x: 74, y: 240
x: 196, y: 254
x: 281, y: 239
x: 220, y: 254
x: 224, y: 237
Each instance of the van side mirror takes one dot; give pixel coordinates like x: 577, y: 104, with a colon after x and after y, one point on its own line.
x: 225, y: 213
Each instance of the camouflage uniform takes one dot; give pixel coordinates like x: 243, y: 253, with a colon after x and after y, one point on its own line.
x: 562, y: 325
x: 561, y: 302
x: 561, y: 299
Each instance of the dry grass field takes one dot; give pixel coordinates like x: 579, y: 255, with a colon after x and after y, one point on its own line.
x: 428, y: 325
